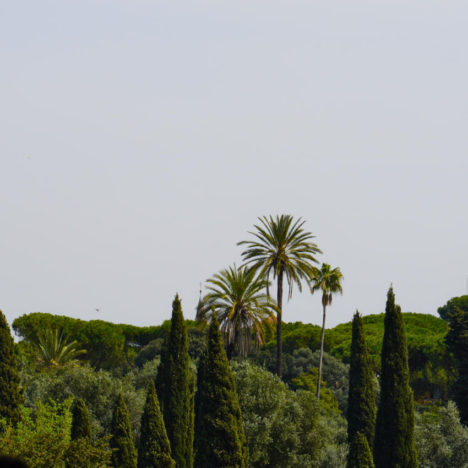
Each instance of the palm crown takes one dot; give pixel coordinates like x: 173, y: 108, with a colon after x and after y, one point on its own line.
x: 235, y: 295
x: 281, y: 248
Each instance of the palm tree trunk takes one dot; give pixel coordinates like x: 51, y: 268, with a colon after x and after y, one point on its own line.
x: 279, y: 342
x: 322, y: 339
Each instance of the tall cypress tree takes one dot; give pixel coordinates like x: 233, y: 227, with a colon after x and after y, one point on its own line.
x: 360, y: 455
x: 457, y: 344
x: 125, y: 455
x: 219, y: 432
x: 361, y: 396
x: 154, y: 450
x: 81, y: 425
x: 175, y: 389
x: 394, y: 432
x: 10, y: 394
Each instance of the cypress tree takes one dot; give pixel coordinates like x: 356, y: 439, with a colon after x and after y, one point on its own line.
x: 175, y: 389
x: 219, y: 433
x: 81, y: 426
x: 10, y: 394
x: 154, y: 450
x: 457, y: 344
x: 360, y: 455
x: 394, y: 432
x: 125, y: 455
x: 361, y: 396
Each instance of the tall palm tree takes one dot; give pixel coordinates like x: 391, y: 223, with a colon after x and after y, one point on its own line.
x: 281, y: 249
x: 235, y: 296
x: 329, y: 282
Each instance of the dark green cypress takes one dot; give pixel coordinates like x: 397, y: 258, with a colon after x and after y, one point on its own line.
x: 10, y: 394
x: 81, y: 425
x: 361, y: 396
x: 219, y: 432
x: 457, y: 344
x: 174, y: 388
x: 125, y: 455
x: 154, y: 450
x: 360, y: 455
x: 394, y: 431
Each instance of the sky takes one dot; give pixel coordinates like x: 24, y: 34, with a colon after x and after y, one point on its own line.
x: 141, y: 140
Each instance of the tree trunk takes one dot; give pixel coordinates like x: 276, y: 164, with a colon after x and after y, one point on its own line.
x: 279, y: 343
x: 322, y: 339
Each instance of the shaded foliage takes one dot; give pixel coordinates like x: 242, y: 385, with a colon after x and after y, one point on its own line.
x: 284, y: 427
x: 441, y: 439
x: 81, y: 426
x: 452, y: 305
x: 457, y: 343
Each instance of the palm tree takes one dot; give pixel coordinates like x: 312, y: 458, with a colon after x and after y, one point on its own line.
x: 329, y: 282
x: 281, y: 249
x: 234, y: 295
x: 55, y: 349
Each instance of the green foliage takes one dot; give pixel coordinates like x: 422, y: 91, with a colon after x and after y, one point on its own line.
x: 10, y: 394
x: 154, y: 450
x: 97, y: 388
x: 42, y: 437
x: 452, y: 305
x: 303, y: 361
x: 219, y: 433
x: 429, y: 362
x: 457, y: 343
x: 281, y: 249
x: 441, y: 439
x: 285, y: 428
x: 361, y: 401
x: 235, y: 295
x: 394, y: 433
x: 308, y: 381
x: 55, y: 349
x: 125, y: 455
x: 107, y: 344
x: 360, y: 455
x: 175, y: 391
x: 83, y: 453
x: 81, y: 426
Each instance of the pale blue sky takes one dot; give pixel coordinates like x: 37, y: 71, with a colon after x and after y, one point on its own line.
x: 140, y: 140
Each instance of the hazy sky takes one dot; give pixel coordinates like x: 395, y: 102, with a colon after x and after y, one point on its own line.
x: 140, y: 140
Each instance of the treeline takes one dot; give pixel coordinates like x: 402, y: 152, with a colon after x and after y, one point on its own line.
x: 283, y: 423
